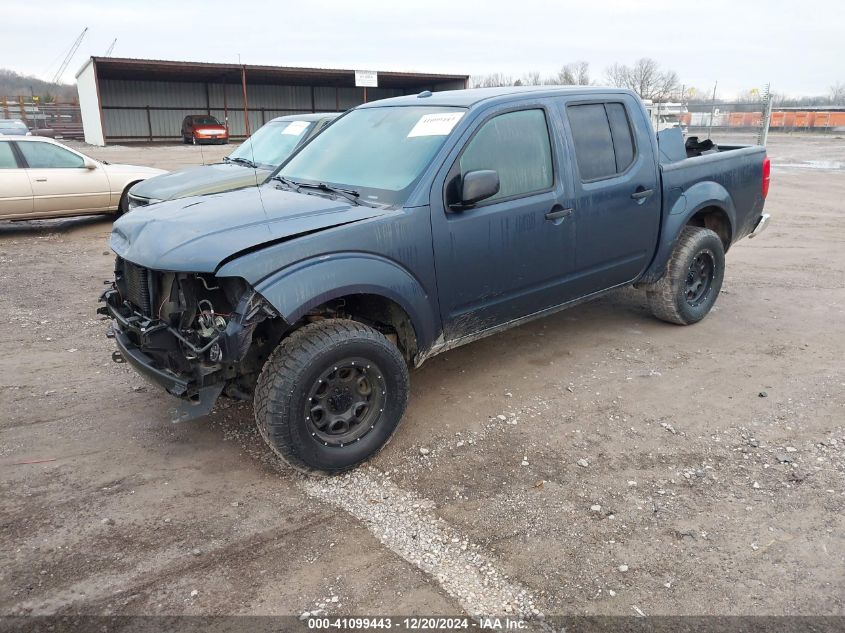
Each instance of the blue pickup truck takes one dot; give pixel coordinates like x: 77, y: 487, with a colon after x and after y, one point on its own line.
x: 411, y: 226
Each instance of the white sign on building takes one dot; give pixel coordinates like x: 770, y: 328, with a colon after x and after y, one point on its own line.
x: 366, y: 79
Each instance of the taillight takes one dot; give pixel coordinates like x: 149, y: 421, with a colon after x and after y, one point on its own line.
x: 767, y: 175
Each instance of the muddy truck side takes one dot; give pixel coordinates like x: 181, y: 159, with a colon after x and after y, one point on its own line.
x: 411, y: 226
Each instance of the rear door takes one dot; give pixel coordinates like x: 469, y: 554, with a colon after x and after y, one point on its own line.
x: 15, y: 190
x: 508, y: 256
x: 61, y: 183
x: 617, y: 191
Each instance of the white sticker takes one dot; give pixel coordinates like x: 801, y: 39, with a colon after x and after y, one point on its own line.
x: 439, y: 124
x: 295, y: 128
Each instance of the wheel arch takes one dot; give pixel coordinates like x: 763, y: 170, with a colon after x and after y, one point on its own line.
x: 370, y: 287
x: 125, y: 193
x: 715, y: 218
x: 706, y: 204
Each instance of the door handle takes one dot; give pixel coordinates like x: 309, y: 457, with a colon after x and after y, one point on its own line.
x: 641, y: 193
x: 557, y: 213
x: 40, y: 180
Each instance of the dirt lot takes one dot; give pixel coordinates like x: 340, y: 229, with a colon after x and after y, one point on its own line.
x: 595, y: 462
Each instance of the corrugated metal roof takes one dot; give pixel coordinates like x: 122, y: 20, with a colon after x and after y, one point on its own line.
x: 169, y: 70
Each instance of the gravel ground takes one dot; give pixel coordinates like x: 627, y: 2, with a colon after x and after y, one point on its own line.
x: 594, y: 462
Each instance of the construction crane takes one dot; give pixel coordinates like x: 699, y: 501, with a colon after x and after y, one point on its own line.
x: 111, y: 48
x: 69, y: 56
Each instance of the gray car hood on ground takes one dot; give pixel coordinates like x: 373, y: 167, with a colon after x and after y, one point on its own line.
x: 196, y: 234
x: 195, y: 181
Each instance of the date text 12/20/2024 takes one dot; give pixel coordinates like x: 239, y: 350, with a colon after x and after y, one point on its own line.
x: 417, y: 623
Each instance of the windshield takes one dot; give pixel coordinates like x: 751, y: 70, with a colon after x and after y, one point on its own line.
x: 379, y: 152
x: 12, y: 125
x: 206, y: 120
x: 273, y: 143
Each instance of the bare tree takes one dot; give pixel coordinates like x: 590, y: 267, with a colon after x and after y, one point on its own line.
x: 646, y: 78
x: 617, y: 75
x: 493, y: 80
x: 837, y: 93
x: 752, y: 95
x: 574, y: 74
x: 532, y: 78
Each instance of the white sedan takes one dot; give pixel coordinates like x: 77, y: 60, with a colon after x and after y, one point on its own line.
x: 41, y: 178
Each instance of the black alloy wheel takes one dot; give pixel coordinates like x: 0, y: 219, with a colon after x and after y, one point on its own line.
x: 345, y: 402
x: 699, y: 278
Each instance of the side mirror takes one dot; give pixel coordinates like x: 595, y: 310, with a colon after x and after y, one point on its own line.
x: 89, y: 163
x: 478, y: 185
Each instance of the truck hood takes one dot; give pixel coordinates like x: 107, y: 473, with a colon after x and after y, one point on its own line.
x: 196, y: 181
x: 197, y: 234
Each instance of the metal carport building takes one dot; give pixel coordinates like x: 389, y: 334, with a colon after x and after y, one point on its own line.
x: 146, y: 100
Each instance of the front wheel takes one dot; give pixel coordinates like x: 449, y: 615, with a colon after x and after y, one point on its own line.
x: 123, y: 205
x: 331, y: 395
x: 693, y: 278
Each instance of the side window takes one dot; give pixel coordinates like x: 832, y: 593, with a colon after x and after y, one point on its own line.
x: 604, y: 141
x: 623, y: 139
x: 49, y: 156
x: 593, y: 143
x: 517, y: 146
x: 7, y: 156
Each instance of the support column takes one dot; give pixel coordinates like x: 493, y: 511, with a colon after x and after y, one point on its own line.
x: 246, y: 102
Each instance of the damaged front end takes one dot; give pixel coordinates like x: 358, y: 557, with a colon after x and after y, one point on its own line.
x: 195, y: 334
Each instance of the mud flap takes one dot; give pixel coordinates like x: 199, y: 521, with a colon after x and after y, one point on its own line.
x: 197, y: 407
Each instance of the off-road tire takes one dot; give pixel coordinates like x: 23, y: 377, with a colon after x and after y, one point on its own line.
x: 667, y: 298
x: 282, y: 393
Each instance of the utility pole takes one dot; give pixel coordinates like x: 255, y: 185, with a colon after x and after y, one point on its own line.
x: 763, y: 134
x: 712, y: 110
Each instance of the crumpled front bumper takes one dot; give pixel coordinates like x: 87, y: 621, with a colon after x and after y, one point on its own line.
x: 195, y: 398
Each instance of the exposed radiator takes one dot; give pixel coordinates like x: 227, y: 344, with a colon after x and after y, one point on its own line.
x: 137, y: 285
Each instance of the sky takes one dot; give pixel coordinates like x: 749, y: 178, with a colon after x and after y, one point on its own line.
x: 797, y: 46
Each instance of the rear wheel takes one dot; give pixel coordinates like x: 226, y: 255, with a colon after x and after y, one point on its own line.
x: 693, y: 278
x: 331, y: 395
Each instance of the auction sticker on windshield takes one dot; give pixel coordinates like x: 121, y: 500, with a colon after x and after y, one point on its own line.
x: 439, y: 124
x: 295, y: 128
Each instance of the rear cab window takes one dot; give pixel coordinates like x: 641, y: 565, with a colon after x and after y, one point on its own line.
x: 603, y: 139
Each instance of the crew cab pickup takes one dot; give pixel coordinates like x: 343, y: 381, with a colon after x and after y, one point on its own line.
x: 408, y: 227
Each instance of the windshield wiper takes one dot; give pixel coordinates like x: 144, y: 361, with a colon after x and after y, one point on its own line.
x: 240, y: 161
x: 349, y: 194
x: 290, y: 184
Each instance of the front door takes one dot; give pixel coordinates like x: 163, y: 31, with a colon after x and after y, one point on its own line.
x: 61, y: 183
x: 15, y: 191
x: 507, y: 256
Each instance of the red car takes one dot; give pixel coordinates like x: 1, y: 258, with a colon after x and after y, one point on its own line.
x: 203, y: 128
